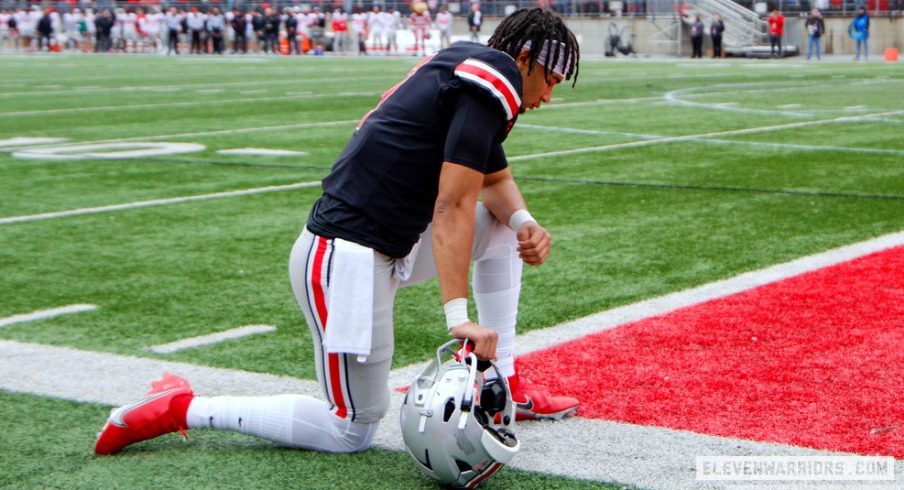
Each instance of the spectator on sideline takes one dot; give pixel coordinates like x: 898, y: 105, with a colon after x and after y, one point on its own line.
x: 71, y: 21
x: 444, y: 24
x: 257, y: 26
x: 392, y: 20
x: 271, y: 31
x: 815, y: 29
x: 776, y: 30
x: 697, y: 29
x: 45, y: 31
x: 361, y: 27
x: 377, y: 27
x: 240, y: 28
x: 216, y: 29
x: 304, y: 32
x: 173, y: 22
x: 104, y: 26
x: 859, y: 31
x: 195, y: 23
x: 316, y: 22
x: 126, y: 31
x: 28, y: 26
x: 475, y: 19
x: 8, y: 30
x: 291, y: 25
x: 339, y: 22
x: 89, y: 34
x: 716, y: 29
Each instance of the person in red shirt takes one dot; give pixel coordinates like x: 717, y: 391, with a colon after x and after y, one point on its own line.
x: 776, y: 29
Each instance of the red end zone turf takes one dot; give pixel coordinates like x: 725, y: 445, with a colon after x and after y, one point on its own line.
x: 816, y: 361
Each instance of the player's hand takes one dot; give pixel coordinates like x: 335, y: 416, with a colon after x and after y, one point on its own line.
x: 534, y: 243
x: 483, y: 338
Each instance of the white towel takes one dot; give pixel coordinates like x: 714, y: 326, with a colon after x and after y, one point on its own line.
x: 349, y: 325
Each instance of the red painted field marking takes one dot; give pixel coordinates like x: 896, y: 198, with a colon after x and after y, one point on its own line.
x: 816, y: 360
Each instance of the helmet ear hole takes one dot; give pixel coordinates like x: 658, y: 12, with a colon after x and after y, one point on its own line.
x: 449, y: 409
x: 481, y: 415
x: 462, y: 466
x: 493, y: 397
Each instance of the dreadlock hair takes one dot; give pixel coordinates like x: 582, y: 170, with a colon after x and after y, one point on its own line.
x: 538, y: 26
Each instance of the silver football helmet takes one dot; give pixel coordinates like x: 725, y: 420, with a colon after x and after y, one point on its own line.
x: 458, y: 418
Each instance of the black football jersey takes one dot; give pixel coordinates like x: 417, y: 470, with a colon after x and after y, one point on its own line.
x: 458, y: 105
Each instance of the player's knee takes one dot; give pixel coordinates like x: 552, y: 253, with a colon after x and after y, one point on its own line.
x: 354, y: 437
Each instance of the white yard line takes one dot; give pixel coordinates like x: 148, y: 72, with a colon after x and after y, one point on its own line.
x: 651, y: 140
x: 692, y: 137
x: 45, y: 314
x: 210, y: 339
x: 225, y: 132
x: 647, y: 457
x: 154, y: 202
x: 244, y: 100
x: 778, y: 146
x: 295, y: 81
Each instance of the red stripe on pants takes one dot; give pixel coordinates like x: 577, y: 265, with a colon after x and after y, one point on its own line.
x: 321, y: 312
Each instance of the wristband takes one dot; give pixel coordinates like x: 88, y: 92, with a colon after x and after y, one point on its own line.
x: 456, y: 312
x: 519, y: 218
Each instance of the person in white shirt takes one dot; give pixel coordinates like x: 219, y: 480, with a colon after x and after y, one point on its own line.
x: 361, y: 27
x: 17, y: 18
x: 444, y: 25
x: 70, y: 27
x: 195, y: 21
x: 216, y: 29
x: 375, y: 22
x: 28, y: 25
x: 475, y: 19
x: 5, y: 36
x: 392, y: 21
x: 90, y: 33
x: 173, y: 22
x: 316, y: 20
x: 149, y: 24
x: 126, y: 30
x: 301, y: 24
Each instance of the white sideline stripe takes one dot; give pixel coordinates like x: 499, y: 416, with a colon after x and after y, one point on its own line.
x: 648, y: 457
x: 214, y: 338
x: 45, y: 314
x: 154, y: 202
x: 692, y: 137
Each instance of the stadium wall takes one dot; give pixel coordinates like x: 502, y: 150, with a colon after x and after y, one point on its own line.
x: 593, y: 33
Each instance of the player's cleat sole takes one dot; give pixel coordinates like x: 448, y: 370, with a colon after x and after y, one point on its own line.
x: 531, y: 403
x: 161, y: 411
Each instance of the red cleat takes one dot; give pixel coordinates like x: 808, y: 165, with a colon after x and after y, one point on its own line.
x: 154, y: 415
x: 531, y: 403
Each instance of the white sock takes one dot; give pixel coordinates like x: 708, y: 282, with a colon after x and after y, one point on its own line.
x: 293, y: 420
x: 497, y: 289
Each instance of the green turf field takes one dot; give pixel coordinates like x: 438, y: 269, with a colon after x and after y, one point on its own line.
x: 652, y: 175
